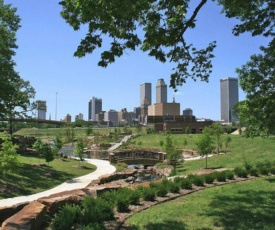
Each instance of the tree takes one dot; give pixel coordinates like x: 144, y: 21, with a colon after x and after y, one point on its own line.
x: 257, y: 76
x: 187, y: 130
x: 79, y: 148
x: 216, y: 130
x: 17, y: 103
x: 8, y: 156
x: 205, y: 144
x: 38, y: 145
x: 15, y: 93
x: 58, y: 144
x: 174, y: 155
x: 164, y: 24
x: 47, y: 152
x: 44, y: 149
x: 69, y: 133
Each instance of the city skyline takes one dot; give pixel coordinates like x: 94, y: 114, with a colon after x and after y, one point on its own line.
x: 45, y: 58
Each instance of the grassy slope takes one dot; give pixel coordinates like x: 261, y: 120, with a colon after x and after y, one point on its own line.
x: 240, y: 150
x: 29, y: 179
x: 245, y: 205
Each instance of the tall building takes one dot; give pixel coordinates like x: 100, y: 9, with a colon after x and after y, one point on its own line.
x: 161, y: 91
x: 79, y: 116
x: 187, y: 111
x: 111, y: 116
x: 229, y: 97
x: 146, y: 92
x: 68, y: 118
x: 95, y: 106
x: 41, y: 109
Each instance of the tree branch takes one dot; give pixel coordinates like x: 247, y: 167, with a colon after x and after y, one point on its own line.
x: 194, y: 15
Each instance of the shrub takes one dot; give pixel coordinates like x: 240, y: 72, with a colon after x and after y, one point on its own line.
x: 174, y: 188
x: 247, y: 166
x: 221, y: 176
x: 198, y: 181
x: 94, y: 226
x: 122, y: 203
x: 240, y: 172
x: 230, y: 175
x: 254, y: 171
x: 209, y: 178
x: 264, y: 167
x: 272, y: 170
x: 162, y: 189
x: 66, y: 217
x: 148, y: 194
x: 96, y: 210
x: 186, y: 183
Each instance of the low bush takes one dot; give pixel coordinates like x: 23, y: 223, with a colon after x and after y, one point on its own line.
x: 122, y: 203
x: 148, y: 194
x: 230, y: 175
x: 254, y: 171
x: 272, y: 170
x: 209, y: 178
x: 66, y: 217
x: 221, y: 176
x: 174, y: 187
x: 186, y: 183
x: 95, y: 210
x: 240, y: 172
x: 198, y: 181
x: 162, y: 190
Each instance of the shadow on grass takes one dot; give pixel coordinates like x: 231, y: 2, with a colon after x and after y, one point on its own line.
x: 29, y: 178
x: 248, y: 209
x: 175, y: 225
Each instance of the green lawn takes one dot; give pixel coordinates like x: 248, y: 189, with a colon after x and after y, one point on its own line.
x: 240, y: 149
x: 244, y: 205
x: 30, y: 178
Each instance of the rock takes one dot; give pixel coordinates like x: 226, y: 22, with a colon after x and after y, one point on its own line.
x: 55, y: 201
x: 6, y: 212
x: 30, y: 218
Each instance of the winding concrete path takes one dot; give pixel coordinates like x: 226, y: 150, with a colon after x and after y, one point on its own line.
x: 103, y: 167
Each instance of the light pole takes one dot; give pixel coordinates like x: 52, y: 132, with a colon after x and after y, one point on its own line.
x: 56, y: 106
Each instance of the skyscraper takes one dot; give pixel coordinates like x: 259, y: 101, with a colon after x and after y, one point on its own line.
x: 229, y: 97
x: 146, y: 92
x: 161, y: 91
x: 41, y: 109
x: 95, y: 106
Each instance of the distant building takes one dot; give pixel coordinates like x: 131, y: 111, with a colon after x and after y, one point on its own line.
x: 161, y: 91
x: 79, y: 116
x: 145, y: 92
x: 163, y: 109
x: 95, y: 106
x: 187, y: 111
x: 100, y: 116
x: 229, y: 94
x: 41, y: 109
x: 177, y: 124
x: 68, y: 118
x: 125, y: 117
x: 112, y: 117
x: 137, y: 111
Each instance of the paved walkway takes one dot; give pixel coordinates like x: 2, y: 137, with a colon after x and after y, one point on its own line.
x: 103, y: 167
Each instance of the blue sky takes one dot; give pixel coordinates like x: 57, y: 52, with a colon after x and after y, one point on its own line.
x: 45, y: 58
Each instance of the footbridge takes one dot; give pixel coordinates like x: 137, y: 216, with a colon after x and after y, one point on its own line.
x: 137, y: 156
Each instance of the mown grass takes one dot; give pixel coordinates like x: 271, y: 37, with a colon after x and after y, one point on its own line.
x: 240, y: 150
x: 243, y: 205
x: 34, y: 175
